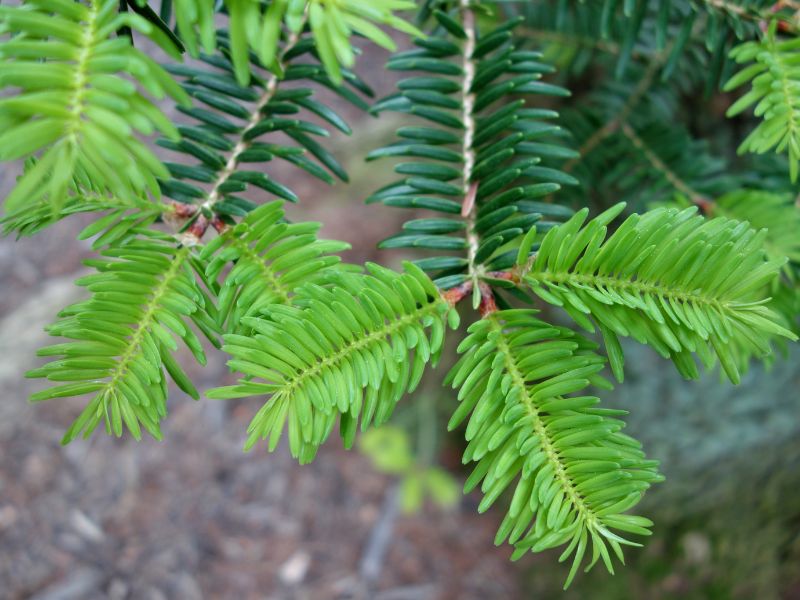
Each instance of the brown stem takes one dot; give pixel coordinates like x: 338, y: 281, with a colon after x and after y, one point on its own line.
x: 511, y: 275
x: 181, y: 210
x: 219, y: 225
x: 456, y: 294
x: 195, y: 231
x: 488, y: 304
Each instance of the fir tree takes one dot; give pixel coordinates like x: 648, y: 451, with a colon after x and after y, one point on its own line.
x: 702, y: 268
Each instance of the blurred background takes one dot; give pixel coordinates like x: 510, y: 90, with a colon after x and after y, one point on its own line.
x: 194, y: 517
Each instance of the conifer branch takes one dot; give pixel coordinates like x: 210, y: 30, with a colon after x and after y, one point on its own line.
x: 244, y: 142
x: 667, y: 278
x: 324, y: 344
x: 774, y: 95
x: 623, y: 114
x: 337, y: 352
x: 703, y: 202
x: 493, y: 177
x: 271, y: 258
x: 470, y: 187
x: 572, y: 472
x: 73, y: 97
x: 122, y: 337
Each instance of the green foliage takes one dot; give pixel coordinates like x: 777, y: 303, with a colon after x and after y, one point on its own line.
x: 237, y: 119
x: 575, y: 472
x: 122, y: 338
x: 74, y: 101
x: 480, y: 156
x: 634, y: 74
x: 483, y: 148
x: 785, y: 302
x: 775, y: 90
x: 254, y: 27
x: 667, y: 278
x: 340, y: 352
x: 780, y: 215
x: 133, y: 213
x: 645, y: 164
x: 271, y: 258
x: 777, y: 213
x: 677, y: 31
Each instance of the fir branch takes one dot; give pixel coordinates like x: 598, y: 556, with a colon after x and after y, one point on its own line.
x: 668, y: 278
x: 336, y: 352
x: 256, y: 27
x: 774, y: 80
x: 225, y: 139
x: 632, y: 101
x: 122, y: 336
x: 575, y: 473
x: 126, y: 213
x: 470, y: 188
x: 703, y: 202
x: 481, y: 158
x: 271, y: 258
x: 244, y: 142
x: 325, y: 344
x: 771, y: 211
x: 76, y: 101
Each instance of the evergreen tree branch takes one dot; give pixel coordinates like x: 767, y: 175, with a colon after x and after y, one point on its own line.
x: 575, y: 473
x: 470, y: 188
x: 481, y: 158
x: 122, y: 337
x: 271, y: 258
x: 226, y: 139
x: 244, y: 142
x: 135, y: 212
x: 668, y: 278
x: 625, y: 111
x: 325, y: 344
x: 774, y: 82
x: 257, y: 26
x: 771, y: 211
x: 703, y: 202
x: 337, y: 352
x: 73, y: 100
